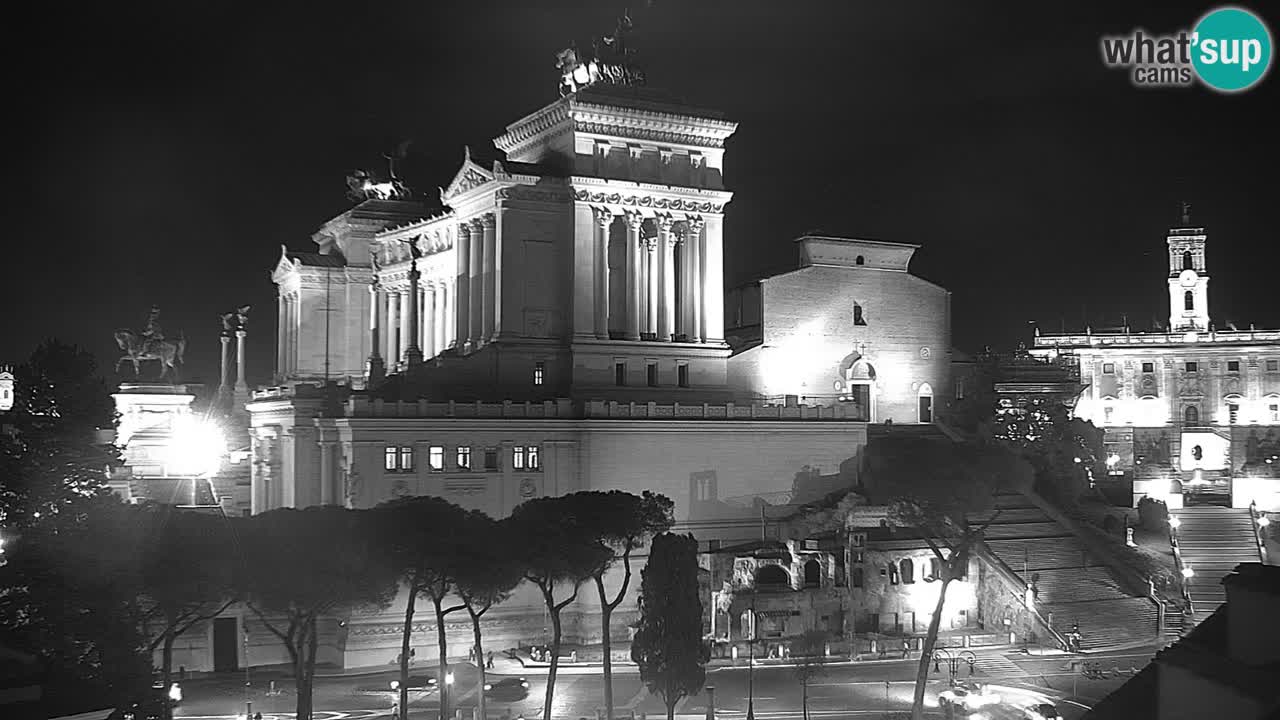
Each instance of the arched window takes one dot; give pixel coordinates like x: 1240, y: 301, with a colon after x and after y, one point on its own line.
x: 1191, y: 415
x: 857, y: 315
x: 1188, y: 300
x: 772, y: 576
x: 1187, y: 262
x: 935, y: 570
x: 812, y: 574
x: 858, y: 580
x: 859, y: 261
x: 908, y: 570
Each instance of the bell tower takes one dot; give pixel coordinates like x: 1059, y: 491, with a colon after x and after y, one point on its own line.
x: 1188, y: 277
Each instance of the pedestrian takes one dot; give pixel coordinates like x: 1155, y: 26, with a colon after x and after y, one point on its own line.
x: 906, y: 649
x: 488, y: 663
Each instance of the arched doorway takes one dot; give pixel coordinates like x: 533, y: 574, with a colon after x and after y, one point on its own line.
x: 1191, y: 415
x: 812, y: 574
x: 855, y: 384
x: 772, y: 576
x: 924, y: 402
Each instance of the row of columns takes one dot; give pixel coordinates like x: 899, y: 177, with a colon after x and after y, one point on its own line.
x: 651, y: 277
x: 290, y: 322
x: 479, y: 292
x: 415, y: 317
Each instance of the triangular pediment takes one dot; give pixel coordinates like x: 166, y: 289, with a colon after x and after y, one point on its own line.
x: 284, y: 266
x: 470, y: 176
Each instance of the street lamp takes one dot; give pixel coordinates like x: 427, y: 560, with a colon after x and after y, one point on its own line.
x: 1174, y: 522
x: 953, y: 661
x: 1263, y: 521
x: 1188, y: 573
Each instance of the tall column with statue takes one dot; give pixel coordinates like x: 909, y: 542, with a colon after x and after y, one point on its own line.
x: 413, y: 353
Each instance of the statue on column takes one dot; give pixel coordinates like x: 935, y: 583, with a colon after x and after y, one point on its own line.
x: 150, y: 344
x: 235, y: 321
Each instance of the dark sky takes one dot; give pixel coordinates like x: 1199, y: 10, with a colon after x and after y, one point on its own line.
x: 161, y: 153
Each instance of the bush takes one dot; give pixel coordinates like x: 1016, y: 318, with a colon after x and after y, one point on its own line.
x: 1153, y: 514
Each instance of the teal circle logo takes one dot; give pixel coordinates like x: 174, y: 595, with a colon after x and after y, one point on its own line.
x: 1231, y: 49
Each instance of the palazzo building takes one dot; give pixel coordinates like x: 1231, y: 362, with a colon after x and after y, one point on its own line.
x: 558, y: 325
x: 1191, y: 411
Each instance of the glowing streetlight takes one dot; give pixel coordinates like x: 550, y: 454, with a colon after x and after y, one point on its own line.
x: 448, y: 678
x: 1263, y: 521
x: 1174, y: 522
x: 1188, y: 573
x: 196, y: 447
x: 395, y: 684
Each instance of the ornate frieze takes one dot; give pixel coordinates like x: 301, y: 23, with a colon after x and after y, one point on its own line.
x: 648, y: 201
x: 647, y: 133
x: 517, y: 192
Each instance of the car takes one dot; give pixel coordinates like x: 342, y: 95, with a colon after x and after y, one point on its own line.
x: 150, y: 706
x: 968, y: 695
x: 1042, y: 711
x: 507, y: 689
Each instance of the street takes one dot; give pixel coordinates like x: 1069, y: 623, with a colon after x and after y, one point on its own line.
x: 865, y: 689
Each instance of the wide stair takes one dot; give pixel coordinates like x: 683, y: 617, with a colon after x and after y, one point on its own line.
x: 1213, y: 541
x: 1073, y: 588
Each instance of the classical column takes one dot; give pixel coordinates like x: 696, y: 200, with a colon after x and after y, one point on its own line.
x: 440, y: 339
x: 224, y: 385
x: 488, y: 269
x: 328, y: 474
x: 651, y: 272
x: 406, y: 306
x: 451, y: 313
x: 393, y: 328
x: 427, y: 319
x: 462, y: 298
x: 475, y: 272
x: 693, y: 240
x: 634, y: 221
x: 667, y: 280
x: 604, y: 219
x: 375, y: 370
x: 413, y: 298
x: 282, y: 307
x: 242, y: 387
x: 291, y: 331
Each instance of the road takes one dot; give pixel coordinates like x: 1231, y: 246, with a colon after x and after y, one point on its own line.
x: 865, y: 689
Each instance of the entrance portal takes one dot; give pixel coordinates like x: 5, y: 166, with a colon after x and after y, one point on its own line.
x: 224, y: 645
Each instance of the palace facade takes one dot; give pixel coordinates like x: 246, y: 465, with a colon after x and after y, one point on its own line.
x: 1191, y: 412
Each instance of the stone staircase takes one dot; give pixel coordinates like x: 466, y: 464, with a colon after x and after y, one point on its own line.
x: 1213, y: 541
x: 1072, y: 586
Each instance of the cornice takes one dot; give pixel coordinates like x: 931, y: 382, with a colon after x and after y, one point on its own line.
x: 655, y: 126
x: 650, y: 201
x: 533, y: 126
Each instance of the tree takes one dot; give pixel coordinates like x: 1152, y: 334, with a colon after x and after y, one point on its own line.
x: 425, y: 540
x: 486, y: 576
x: 1064, y: 451
x: 187, y: 575
x: 556, y: 547
x: 55, y: 452
x: 934, y: 488
x: 69, y: 595
x: 622, y: 522
x: 668, y: 644
x: 303, y: 564
x: 809, y: 652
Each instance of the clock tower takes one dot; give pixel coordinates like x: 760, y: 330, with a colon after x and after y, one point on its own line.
x: 1188, y: 279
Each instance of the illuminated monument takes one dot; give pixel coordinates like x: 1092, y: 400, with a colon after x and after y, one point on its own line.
x: 1192, y: 410
x: 558, y: 324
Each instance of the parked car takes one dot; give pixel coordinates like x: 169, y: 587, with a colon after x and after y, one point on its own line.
x: 1042, y: 711
x: 507, y: 689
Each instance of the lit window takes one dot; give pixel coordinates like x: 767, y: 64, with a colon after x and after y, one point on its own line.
x: 960, y: 389
x: 1108, y: 368
x: 1193, y: 367
x: 464, y: 458
x: 682, y: 375
x: 532, y: 456
x: 398, y: 458
x: 389, y: 458
x: 1233, y: 413
x: 406, y: 458
x: 1106, y: 414
x: 1273, y: 365
x: 517, y: 457
x: 651, y: 374
x: 490, y: 459
x: 539, y: 371
x: 620, y: 374
x: 1233, y: 366
x: 1274, y: 411
x: 1148, y: 367
x: 435, y: 458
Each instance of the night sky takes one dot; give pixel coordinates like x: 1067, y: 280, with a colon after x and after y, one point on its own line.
x: 164, y: 152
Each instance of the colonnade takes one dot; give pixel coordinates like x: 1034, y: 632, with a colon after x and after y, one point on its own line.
x: 290, y: 322
x: 651, y: 278
x: 397, y: 311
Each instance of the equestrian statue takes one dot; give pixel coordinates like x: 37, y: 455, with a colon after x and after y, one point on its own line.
x: 151, y: 344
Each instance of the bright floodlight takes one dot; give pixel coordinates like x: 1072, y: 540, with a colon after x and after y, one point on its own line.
x: 395, y: 684
x: 448, y: 678
x: 1112, y: 460
x: 1174, y: 522
x: 1187, y: 572
x: 196, y: 447
x: 1262, y: 522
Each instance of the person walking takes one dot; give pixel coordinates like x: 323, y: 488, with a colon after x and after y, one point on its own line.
x: 488, y: 663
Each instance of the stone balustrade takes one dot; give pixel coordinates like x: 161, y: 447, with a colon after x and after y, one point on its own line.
x: 564, y: 409
x: 1176, y: 338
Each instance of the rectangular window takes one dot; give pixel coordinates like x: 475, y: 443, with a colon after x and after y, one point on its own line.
x: 1233, y: 413
x: 533, y: 457
x: 682, y: 375
x: 1273, y: 365
x: 539, y: 372
x: 464, y: 458
x: 517, y: 457
x: 651, y: 374
x: 959, y: 389
x: 406, y: 458
x: 1108, y: 368
x: 620, y: 374
x: 490, y: 459
x: 1274, y: 411
x: 398, y: 458
x: 435, y: 458
x: 1193, y: 366
x: 389, y: 458
x: 1148, y: 367
x: 1106, y: 414
x: 1233, y: 366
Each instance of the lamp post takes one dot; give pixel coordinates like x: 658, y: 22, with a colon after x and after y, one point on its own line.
x: 953, y: 661
x: 751, y: 661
